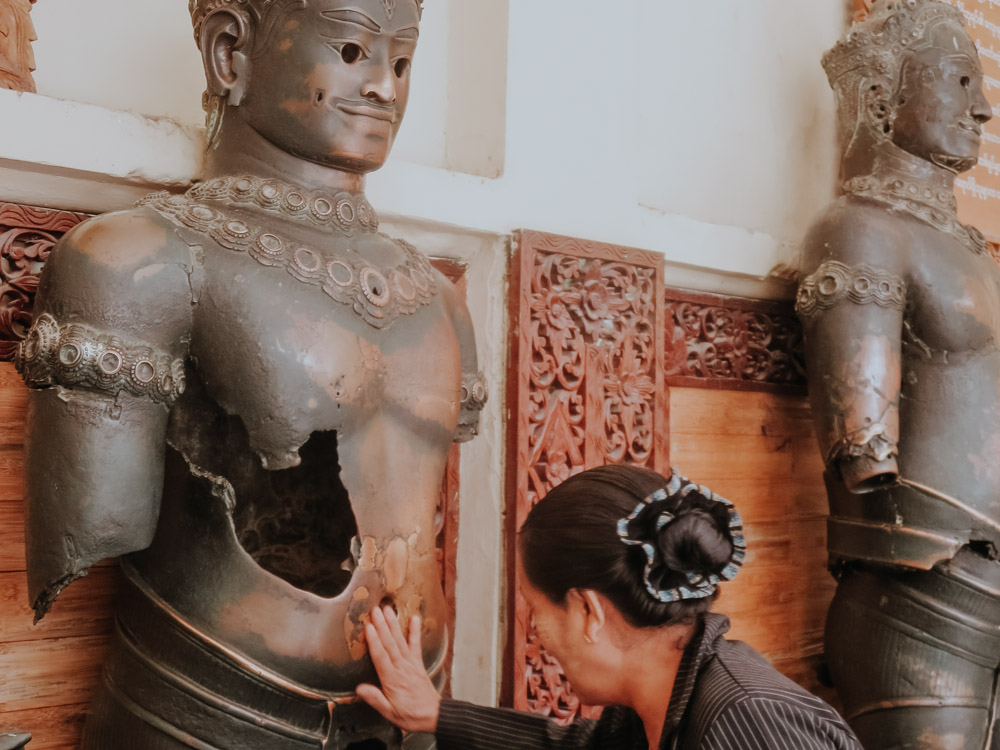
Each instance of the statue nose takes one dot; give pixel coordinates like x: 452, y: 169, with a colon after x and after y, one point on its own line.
x: 981, y: 109
x: 380, y: 87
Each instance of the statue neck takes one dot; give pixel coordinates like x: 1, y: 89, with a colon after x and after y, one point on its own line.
x: 241, y: 150
x: 885, y: 161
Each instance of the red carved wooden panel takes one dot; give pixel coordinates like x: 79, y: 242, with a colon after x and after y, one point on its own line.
x: 715, y: 341
x: 586, y: 388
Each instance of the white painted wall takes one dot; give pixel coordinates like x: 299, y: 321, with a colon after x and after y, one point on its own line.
x: 702, y: 130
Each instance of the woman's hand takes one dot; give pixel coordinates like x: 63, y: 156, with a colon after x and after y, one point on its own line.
x: 407, y: 698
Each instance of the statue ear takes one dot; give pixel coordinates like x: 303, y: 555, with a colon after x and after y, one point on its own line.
x: 224, y: 36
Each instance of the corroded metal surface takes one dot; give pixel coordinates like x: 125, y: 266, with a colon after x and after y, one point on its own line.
x: 293, y: 484
x: 901, y: 312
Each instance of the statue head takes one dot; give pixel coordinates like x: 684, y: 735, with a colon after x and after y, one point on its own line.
x: 325, y: 80
x: 910, y: 76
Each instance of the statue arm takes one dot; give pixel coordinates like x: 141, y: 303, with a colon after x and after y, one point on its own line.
x: 851, y: 305
x: 104, y: 361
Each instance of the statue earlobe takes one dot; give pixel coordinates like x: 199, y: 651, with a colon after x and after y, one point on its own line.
x: 241, y: 72
x: 223, y: 37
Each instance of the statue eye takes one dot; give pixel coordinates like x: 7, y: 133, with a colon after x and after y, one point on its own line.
x: 350, y: 53
x: 965, y: 81
x: 402, y: 65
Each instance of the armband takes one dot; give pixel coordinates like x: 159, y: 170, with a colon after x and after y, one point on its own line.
x: 78, y: 356
x: 834, y: 283
x: 474, y: 396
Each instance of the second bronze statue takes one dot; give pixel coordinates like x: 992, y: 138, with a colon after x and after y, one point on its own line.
x: 901, y: 311
x: 251, y: 393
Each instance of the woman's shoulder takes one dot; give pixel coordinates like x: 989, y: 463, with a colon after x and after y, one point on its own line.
x: 739, y: 694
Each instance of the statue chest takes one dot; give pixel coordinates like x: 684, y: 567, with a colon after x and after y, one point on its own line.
x: 291, y: 359
x: 954, y: 300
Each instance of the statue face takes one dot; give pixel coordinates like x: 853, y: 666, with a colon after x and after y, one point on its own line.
x: 940, y: 107
x: 333, y: 83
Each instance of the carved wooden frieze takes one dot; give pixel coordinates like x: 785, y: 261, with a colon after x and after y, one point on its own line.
x: 586, y: 388
x: 17, y: 61
x: 27, y: 235
x: 714, y: 341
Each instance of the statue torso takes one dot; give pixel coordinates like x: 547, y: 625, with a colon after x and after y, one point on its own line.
x: 309, y: 448
x: 950, y: 396
x: 949, y: 388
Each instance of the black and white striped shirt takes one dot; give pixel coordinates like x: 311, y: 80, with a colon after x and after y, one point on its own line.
x: 726, y: 697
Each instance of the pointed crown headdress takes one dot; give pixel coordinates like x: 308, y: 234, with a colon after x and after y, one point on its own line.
x: 261, y: 10
x: 864, y: 67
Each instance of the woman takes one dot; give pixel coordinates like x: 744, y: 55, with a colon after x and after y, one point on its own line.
x: 621, y: 568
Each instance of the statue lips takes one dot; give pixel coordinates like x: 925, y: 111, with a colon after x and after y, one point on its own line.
x: 972, y: 126
x: 366, y: 109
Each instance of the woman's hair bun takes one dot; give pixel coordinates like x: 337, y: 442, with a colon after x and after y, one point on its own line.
x: 694, y: 543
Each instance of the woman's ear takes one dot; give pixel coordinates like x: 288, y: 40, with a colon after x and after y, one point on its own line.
x: 223, y: 39
x: 593, y: 613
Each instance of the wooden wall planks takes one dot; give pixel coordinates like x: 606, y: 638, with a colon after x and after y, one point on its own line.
x: 758, y: 450
x: 47, y: 671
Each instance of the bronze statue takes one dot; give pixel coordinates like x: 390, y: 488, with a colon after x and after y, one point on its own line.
x: 14, y: 740
x: 901, y: 310
x: 250, y: 393
x: 17, y: 32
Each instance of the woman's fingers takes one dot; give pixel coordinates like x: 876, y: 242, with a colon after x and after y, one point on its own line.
x: 407, y: 696
x: 377, y: 700
x: 380, y: 658
x: 416, y: 650
x: 385, y: 634
x: 397, y: 632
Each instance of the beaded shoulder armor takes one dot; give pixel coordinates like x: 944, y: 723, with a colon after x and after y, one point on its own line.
x: 377, y: 295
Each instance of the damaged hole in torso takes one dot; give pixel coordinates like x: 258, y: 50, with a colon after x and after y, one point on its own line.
x: 298, y: 524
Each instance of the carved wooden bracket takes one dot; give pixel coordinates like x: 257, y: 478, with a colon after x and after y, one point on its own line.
x: 715, y: 341
x: 586, y: 388
x: 27, y: 235
x: 17, y: 32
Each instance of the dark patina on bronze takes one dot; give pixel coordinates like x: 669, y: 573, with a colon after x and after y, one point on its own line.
x: 901, y: 311
x: 250, y: 393
x: 14, y: 740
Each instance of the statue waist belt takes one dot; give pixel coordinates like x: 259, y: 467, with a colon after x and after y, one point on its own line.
x: 954, y: 608
x: 190, y: 690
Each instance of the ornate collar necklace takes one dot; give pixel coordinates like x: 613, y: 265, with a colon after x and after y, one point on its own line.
x: 349, y: 212
x: 377, y: 295
x: 937, y: 208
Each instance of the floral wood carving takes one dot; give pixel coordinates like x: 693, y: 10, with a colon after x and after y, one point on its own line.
x: 27, y: 235
x: 586, y: 383
x: 713, y: 341
x: 17, y: 32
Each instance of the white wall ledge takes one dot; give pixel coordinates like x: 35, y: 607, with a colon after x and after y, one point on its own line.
x: 83, y: 157
x: 82, y: 138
